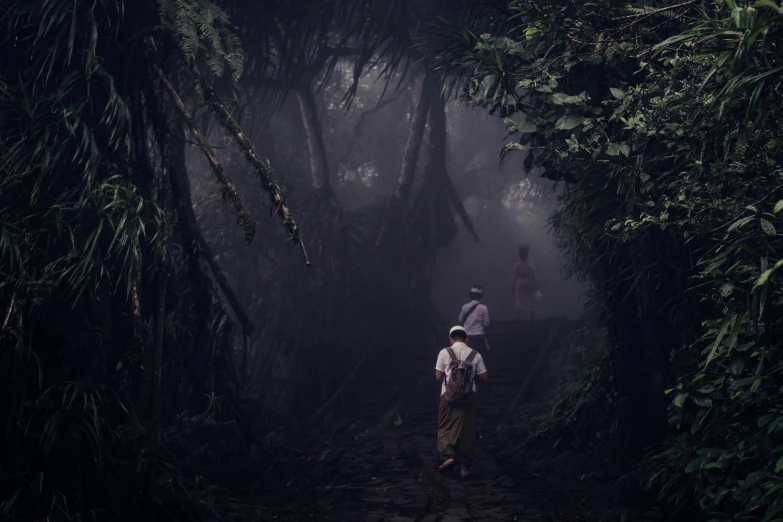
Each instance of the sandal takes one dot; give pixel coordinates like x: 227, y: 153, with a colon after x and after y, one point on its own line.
x: 447, y: 465
x: 466, y: 476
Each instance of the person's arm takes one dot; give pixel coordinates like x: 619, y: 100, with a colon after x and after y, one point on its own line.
x: 485, y: 318
x: 440, y: 367
x: 481, y: 368
x: 461, y: 313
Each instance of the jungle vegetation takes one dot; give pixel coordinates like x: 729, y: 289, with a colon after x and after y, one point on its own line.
x: 129, y: 345
x: 662, y: 122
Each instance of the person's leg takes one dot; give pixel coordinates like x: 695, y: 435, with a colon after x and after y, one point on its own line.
x: 446, y: 435
x: 476, y: 342
x: 466, y: 444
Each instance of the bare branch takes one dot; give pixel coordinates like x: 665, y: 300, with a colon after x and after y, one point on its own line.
x: 8, y: 313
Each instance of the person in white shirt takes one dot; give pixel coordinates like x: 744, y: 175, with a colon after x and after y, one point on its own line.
x: 474, y: 317
x: 457, y: 422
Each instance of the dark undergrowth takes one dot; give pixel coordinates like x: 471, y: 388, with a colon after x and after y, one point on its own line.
x: 564, y: 437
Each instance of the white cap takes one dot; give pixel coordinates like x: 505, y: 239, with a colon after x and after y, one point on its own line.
x: 457, y: 329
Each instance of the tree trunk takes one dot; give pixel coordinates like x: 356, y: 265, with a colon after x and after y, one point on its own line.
x: 185, y: 200
x: 415, y: 136
x: 438, y: 133
x: 438, y: 150
x: 319, y: 167
x: 160, y: 334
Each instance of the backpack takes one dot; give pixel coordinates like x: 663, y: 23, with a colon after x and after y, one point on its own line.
x: 459, y: 385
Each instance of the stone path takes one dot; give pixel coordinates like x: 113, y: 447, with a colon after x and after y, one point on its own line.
x: 390, y: 474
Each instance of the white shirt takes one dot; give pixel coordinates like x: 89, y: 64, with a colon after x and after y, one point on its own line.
x: 461, y: 350
x: 476, y: 321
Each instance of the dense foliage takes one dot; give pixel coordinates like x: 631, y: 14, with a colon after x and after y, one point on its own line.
x: 663, y: 122
x: 114, y: 346
x: 128, y: 394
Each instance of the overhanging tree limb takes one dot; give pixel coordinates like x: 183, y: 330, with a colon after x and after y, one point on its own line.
x: 244, y: 219
x: 263, y: 170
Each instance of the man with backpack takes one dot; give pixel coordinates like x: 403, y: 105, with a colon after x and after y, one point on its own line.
x: 474, y: 317
x: 458, y: 367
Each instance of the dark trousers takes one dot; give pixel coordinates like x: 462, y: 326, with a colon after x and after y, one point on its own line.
x: 478, y: 343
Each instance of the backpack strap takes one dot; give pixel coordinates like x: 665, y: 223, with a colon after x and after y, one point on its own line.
x: 452, y: 354
x: 472, y: 356
x: 470, y: 311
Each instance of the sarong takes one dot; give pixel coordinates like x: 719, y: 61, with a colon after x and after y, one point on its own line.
x: 457, y: 430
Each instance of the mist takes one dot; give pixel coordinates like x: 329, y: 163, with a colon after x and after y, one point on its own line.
x: 365, y: 144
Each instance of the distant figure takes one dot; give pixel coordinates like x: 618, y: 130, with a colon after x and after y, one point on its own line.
x: 457, y: 368
x: 525, y: 286
x: 474, y: 317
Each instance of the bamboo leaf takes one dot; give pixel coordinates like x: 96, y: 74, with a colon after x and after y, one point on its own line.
x: 724, y: 327
x: 740, y: 222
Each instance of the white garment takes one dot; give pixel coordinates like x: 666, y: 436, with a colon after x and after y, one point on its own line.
x: 477, y: 320
x: 461, y: 350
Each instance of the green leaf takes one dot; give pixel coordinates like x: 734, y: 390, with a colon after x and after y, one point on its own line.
x: 755, y: 386
x: 756, y: 477
x: 767, y: 273
x: 723, y: 329
x: 560, y: 98
x: 508, y: 147
x: 526, y: 127
x: 740, y: 222
x: 679, y: 400
x: 613, y: 149
x: 617, y: 93
x: 779, y: 465
x: 767, y: 227
x: 778, y: 206
x: 568, y: 122
x: 625, y: 149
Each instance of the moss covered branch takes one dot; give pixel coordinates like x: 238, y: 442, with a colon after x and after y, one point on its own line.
x: 244, y: 219
x: 262, y: 169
